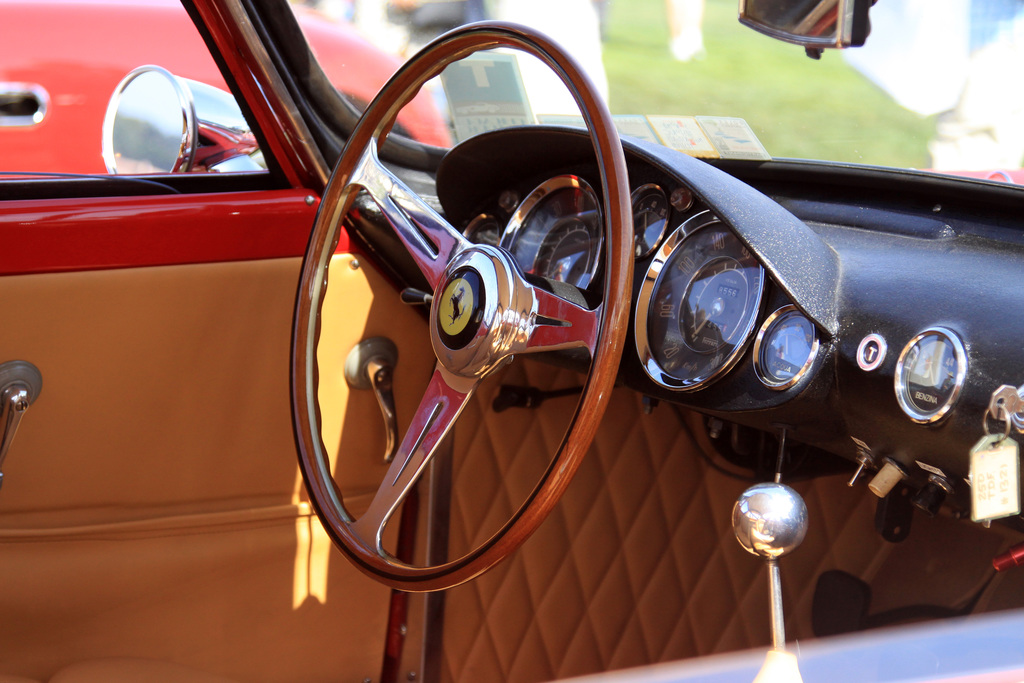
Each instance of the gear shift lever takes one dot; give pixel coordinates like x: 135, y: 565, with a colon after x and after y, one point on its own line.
x: 770, y: 520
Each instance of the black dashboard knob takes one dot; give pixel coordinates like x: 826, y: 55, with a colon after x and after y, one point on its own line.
x: 931, y: 496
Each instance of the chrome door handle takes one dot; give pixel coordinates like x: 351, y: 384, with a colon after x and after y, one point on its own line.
x: 20, y: 384
x: 371, y: 365
x: 22, y: 104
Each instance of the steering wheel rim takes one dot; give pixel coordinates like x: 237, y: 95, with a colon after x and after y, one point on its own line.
x: 496, y: 286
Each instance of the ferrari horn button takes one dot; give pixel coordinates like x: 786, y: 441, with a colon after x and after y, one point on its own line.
x: 459, y: 309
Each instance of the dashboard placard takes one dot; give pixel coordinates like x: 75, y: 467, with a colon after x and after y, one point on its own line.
x: 486, y: 92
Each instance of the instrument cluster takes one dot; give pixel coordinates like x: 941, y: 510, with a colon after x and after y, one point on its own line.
x: 701, y: 297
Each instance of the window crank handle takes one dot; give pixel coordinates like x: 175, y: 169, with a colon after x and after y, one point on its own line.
x: 371, y: 365
x: 20, y: 384
x: 381, y: 374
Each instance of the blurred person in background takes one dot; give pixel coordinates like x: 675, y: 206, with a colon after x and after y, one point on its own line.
x: 575, y: 25
x: 686, y: 35
x: 985, y: 130
x: 961, y: 60
x: 402, y: 27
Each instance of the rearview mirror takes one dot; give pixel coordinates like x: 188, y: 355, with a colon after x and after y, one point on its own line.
x: 814, y: 24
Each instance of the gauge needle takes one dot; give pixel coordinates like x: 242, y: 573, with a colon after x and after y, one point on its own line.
x: 932, y: 368
x: 700, y: 327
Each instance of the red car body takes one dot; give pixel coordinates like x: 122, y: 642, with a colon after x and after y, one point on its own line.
x: 91, y: 45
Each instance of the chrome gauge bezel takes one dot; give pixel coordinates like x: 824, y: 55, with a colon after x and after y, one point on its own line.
x: 648, y: 288
x: 473, y: 229
x: 640, y: 249
x: 901, y: 381
x: 880, y: 344
x: 764, y: 335
x: 527, y: 208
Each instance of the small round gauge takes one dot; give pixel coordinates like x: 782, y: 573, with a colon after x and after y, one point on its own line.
x: 698, y: 305
x: 484, y: 229
x: 784, y: 348
x: 650, y: 217
x: 557, y: 231
x: 930, y: 374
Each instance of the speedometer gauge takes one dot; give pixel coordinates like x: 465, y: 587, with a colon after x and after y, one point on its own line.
x: 698, y: 305
x: 556, y: 231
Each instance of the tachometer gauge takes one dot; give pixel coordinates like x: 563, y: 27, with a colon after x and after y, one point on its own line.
x: 556, y: 231
x: 785, y: 348
x: 484, y: 229
x: 698, y: 305
x: 930, y: 374
x: 650, y: 217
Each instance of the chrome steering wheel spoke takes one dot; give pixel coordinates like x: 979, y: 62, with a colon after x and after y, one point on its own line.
x: 562, y: 324
x: 429, y: 238
x: 443, y: 400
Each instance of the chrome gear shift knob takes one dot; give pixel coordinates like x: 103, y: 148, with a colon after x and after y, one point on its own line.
x: 769, y: 520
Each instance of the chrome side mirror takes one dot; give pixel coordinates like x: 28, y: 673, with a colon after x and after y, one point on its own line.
x: 814, y: 24
x: 157, y: 122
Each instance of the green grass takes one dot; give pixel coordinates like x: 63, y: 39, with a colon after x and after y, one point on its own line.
x: 798, y: 107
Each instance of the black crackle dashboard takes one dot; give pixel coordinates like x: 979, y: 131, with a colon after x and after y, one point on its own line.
x: 871, y: 313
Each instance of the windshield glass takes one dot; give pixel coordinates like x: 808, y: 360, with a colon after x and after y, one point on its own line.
x: 936, y: 86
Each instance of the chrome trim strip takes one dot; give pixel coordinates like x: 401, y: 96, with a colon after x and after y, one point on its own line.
x: 264, y: 68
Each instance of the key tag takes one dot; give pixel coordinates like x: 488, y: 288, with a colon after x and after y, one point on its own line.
x: 995, y: 475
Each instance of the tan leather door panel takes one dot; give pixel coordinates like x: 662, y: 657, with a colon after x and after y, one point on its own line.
x: 152, y: 505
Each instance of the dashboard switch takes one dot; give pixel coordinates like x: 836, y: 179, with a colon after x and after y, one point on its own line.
x: 886, y: 479
x: 931, y: 496
x: 871, y: 352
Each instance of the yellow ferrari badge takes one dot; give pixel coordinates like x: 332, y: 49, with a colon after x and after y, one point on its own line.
x: 456, y: 307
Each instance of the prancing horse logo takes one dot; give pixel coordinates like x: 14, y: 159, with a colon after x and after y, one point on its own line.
x: 456, y: 302
x: 456, y: 307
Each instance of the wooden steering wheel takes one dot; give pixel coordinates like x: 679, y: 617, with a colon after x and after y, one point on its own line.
x: 483, y: 312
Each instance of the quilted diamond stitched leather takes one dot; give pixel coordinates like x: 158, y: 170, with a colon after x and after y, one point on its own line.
x: 638, y: 563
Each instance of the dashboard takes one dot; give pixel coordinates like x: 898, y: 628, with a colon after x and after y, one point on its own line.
x: 869, y: 313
